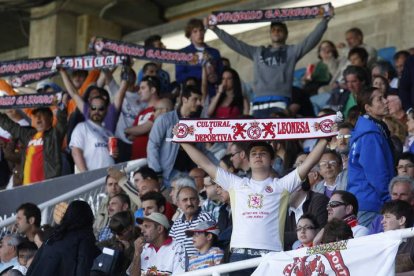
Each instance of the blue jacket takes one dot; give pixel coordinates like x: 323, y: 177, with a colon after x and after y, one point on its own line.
x: 182, y: 72
x: 371, y: 165
x: 161, y: 154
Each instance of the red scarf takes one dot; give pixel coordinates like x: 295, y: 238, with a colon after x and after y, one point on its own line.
x: 351, y: 220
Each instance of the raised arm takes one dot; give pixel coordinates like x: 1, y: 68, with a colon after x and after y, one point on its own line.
x: 214, y: 101
x: 312, y: 39
x: 200, y: 159
x: 120, y: 95
x: 313, y: 158
x: 232, y: 42
x: 71, y: 89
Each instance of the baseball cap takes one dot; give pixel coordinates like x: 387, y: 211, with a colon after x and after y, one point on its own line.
x: 208, y: 226
x: 155, y: 217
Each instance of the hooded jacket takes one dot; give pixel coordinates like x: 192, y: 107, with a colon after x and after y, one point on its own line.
x: 371, y: 165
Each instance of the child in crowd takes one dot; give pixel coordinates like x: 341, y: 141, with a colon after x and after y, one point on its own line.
x: 204, y: 237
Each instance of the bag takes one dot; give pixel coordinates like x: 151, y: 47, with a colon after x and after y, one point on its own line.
x: 108, y: 263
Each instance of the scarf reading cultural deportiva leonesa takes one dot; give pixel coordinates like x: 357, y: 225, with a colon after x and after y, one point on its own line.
x: 277, y: 14
x: 239, y: 130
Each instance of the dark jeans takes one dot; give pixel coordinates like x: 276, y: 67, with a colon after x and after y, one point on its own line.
x: 235, y: 257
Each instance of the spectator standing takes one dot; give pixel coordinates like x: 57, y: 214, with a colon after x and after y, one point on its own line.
x: 229, y: 101
x: 258, y: 200
x: 154, y: 41
x: 167, y: 158
x: 89, y: 142
x: 71, y: 248
x: 149, y: 89
x: 195, y: 32
x: 130, y: 108
x: 371, y: 161
x: 274, y: 65
x: 43, y: 143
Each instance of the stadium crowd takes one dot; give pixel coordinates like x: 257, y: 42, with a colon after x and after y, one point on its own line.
x: 198, y: 205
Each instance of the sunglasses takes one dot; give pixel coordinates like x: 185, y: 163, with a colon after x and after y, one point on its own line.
x: 334, y: 204
x: 99, y: 108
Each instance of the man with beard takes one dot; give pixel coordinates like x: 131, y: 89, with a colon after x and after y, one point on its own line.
x: 89, y: 142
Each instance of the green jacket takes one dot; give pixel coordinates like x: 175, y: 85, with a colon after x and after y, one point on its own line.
x: 52, y: 141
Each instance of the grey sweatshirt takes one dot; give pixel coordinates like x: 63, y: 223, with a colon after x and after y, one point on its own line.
x: 274, y: 67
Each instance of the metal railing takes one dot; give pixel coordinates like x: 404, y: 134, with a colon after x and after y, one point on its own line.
x: 91, y: 193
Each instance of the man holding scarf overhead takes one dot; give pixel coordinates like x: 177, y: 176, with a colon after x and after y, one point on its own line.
x: 273, y: 65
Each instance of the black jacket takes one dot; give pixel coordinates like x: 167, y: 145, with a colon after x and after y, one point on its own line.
x: 71, y: 256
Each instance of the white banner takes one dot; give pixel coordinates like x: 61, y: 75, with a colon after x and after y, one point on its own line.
x: 234, y: 130
x: 368, y: 255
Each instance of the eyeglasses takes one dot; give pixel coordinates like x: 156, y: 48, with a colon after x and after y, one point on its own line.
x: 160, y: 108
x: 343, y: 136
x: 99, y: 108
x: 324, y: 164
x: 305, y: 228
x: 233, y: 154
x: 334, y: 204
x: 406, y: 166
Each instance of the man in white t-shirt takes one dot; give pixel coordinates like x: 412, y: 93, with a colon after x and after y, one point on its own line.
x: 89, y: 141
x: 259, y: 204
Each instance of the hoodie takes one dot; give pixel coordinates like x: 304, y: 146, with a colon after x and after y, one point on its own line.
x: 371, y: 165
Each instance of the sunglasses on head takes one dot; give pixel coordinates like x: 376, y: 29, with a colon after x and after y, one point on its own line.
x: 99, y: 108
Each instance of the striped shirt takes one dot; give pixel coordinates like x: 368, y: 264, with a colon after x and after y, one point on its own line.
x: 179, y: 227
x: 212, y: 257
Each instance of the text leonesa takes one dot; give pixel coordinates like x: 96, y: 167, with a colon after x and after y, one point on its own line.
x: 278, y: 128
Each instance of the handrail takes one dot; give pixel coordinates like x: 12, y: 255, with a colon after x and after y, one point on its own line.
x: 131, y: 166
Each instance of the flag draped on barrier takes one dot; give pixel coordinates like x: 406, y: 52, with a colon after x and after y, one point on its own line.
x: 368, y: 255
x: 285, y: 14
x: 232, y: 130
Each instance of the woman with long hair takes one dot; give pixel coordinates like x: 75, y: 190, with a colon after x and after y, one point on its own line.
x: 71, y: 248
x: 229, y: 101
